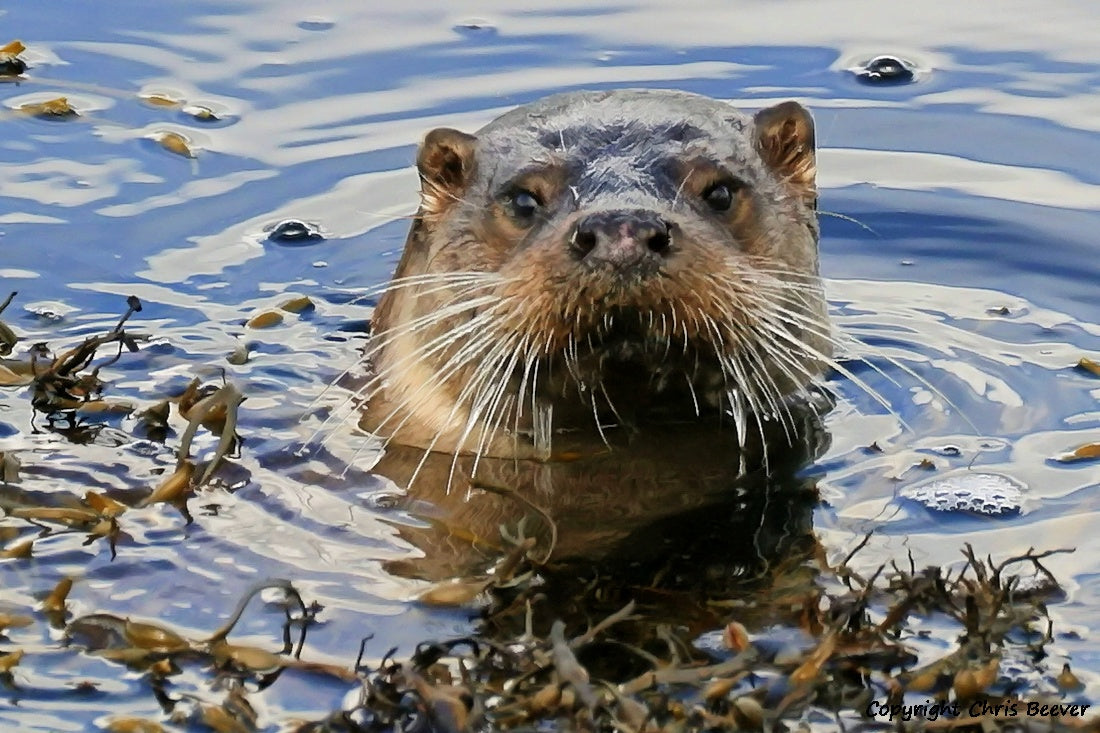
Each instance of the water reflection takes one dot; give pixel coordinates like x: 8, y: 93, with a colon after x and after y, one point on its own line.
x: 633, y: 503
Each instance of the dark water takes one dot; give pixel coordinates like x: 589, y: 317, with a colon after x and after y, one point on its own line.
x: 971, y: 262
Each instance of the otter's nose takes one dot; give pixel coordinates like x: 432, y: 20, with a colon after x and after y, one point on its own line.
x: 622, y: 239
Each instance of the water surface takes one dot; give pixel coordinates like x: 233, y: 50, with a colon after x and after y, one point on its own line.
x: 962, y: 257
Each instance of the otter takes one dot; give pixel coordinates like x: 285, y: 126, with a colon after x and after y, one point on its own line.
x: 608, y: 309
x: 596, y: 266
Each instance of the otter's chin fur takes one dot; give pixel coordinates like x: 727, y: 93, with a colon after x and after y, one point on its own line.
x: 591, y: 263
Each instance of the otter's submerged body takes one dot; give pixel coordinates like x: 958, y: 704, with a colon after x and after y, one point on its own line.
x: 594, y: 263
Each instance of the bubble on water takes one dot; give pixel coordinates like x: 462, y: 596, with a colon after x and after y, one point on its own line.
x: 316, y: 24
x: 293, y: 231
x: 146, y: 448
x: 50, y: 310
x: 384, y: 500
x: 980, y: 493
x: 475, y: 26
x: 886, y: 70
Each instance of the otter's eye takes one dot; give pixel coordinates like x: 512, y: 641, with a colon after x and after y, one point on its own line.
x: 719, y: 197
x: 524, y: 204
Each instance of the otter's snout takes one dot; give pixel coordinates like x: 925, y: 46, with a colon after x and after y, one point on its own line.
x: 625, y: 240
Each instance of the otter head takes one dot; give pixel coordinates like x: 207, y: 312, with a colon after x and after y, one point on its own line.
x: 602, y: 259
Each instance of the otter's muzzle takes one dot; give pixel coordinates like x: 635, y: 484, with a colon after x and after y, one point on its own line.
x: 626, y: 240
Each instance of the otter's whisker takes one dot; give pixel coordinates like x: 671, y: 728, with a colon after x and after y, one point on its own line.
x: 458, y: 308
x: 475, y: 383
x: 596, y: 418
x: 851, y: 376
x: 793, y: 369
x: 801, y: 321
x: 744, y: 394
x: 610, y: 403
x: 443, y: 280
x: 737, y: 412
x: 766, y: 385
x: 495, y: 362
x: 691, y: 389
x: 491, y: 424
x: 471, y: 350
x: 845, y: 217
x: 457, y: 361
x: 530, y: 367
x: 849, y: 341
x: 424, y: 351
x: 502, y: 385
x: 680, y: 188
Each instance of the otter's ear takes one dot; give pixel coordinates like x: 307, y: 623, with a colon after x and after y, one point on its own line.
x: 785, y: 140
x: 446, y: 164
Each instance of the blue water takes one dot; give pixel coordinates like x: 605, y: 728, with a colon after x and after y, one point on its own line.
x: 969, y: 191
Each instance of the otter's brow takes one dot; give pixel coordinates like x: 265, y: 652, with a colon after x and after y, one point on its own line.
x: 703, y: 170
x: 587, y: 140
x: 540, y: 175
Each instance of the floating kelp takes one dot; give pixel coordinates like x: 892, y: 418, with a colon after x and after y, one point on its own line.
x: 265, y: 319
x: 298, y: 304
x: 1087, y: 452
x: 15, y: 373
x: 153, y: 647
x: 217, y: 412
x: 176, y: 143
x: 1086, y: 364
x: 160, y: 100
x: 134, y: 725
x: 10, y: 63
x: 8, y: 339
x: 67, y: 381
x: 9, y: 468
x: 104, y: 505
x: 17, y: 551
x: 271, y: 318
x: 52, y: 109
x: 201, y: 113
x: 860, y: 658
x: 239, y: 356
x: 153, y: 421
x: 168, y: 100
x: 9, y: 660
x: 54, y: 603
x: 174, y: 488
x: 72, y: 518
